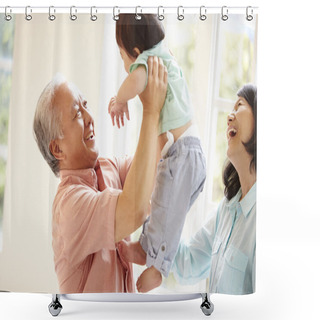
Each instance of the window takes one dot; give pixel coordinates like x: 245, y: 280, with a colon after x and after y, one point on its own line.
x: 234, y: 64
x: 6, y: 49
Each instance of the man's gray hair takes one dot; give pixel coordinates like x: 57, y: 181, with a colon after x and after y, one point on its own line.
x: 47, y: 122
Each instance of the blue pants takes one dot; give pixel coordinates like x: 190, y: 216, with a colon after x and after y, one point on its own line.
x: 180, y: 179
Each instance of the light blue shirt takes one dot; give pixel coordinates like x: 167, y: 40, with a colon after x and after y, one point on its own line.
x: 177, y: 110
x: 224, y: 249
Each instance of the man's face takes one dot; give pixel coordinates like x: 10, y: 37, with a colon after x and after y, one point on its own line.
x: 77, y: 148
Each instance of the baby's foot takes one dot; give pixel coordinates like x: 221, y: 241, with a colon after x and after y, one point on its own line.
x: 133, y: 252
x: 149, y: 279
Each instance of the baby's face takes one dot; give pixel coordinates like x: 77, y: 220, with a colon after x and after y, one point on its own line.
x: 127, y: 59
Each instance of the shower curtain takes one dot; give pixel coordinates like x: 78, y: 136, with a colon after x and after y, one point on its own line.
x: 217, y: 57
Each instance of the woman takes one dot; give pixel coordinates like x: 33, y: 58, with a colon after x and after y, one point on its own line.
x: 224, y: 249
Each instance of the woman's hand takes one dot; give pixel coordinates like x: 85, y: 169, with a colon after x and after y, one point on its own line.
x: 154, y: 94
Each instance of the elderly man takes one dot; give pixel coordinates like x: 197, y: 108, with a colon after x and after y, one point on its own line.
x: 99, y: 202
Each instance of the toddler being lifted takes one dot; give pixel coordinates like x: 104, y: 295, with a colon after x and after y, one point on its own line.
x: 181, y: 170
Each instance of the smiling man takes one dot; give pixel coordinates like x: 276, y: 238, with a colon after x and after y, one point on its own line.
x: 98, y: 202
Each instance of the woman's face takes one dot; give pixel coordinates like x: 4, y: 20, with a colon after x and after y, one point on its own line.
x: 240, y: 130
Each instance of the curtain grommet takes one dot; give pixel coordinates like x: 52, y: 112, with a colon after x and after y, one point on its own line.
x: 224, y: 13
x: 73, y: 11
x: 115, y: 16
x: 249, y: 17
x: 28, y: 16
x: 180, y: 13
x: 160, y: 16
x: 203, y: 13
x: 137, y: 16
x: 52, y: 17
x: 93, y: 17
x: 7, y: 16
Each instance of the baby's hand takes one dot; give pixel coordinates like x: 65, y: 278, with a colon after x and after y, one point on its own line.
x: 117, y: 110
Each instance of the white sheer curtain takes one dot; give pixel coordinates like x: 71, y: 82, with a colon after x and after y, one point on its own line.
x: 41, y: 49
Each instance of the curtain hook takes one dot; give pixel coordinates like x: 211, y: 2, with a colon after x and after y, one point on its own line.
x: 93, y: 17
x: 137, y: 16
x: 73, y: 16
x: 249, y: 17
x: 160, y: 16
x: 7, y: 16
x: 116, y: 16
x: 28, y: 15
x: 203, y: 15
x: 52, y: 17
x: 224, y: 13
x: 180, y: 13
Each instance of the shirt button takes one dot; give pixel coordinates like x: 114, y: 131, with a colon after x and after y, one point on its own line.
x: 163, y: 248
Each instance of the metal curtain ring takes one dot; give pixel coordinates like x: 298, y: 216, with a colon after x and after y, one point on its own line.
x: 52, y: 17
x: 28, y: 15
x: 180, y: 15
x: 249, y: 17
x: 116, y: 16
x: 93, y: 17
x: 224, y: 13
x: 203, y: 13
x: 73, y: 16
x: 7, y: 16
x: 160, y: 16
x: 137, y: 16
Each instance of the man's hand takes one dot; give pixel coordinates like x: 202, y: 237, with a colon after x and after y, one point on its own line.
x: 117, y: 110
x: 154, y: 95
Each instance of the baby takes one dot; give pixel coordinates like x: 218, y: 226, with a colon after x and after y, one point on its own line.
x: 181, y: 171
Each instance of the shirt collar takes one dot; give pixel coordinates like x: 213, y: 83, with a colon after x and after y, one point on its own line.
x: 248, y: 201
x: 88, y: 175
x: 245, y: 204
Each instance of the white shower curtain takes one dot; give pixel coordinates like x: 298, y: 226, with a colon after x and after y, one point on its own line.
x: 87, y: 54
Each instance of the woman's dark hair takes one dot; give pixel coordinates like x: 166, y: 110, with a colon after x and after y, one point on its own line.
x: 142, y: 34
x: 230, y: 174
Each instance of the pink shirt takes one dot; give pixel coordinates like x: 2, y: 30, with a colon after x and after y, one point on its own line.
x: 85, y: 254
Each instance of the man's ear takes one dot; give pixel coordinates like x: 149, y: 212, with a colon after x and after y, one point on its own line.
x: 136, y: 51
x: 56, y: 150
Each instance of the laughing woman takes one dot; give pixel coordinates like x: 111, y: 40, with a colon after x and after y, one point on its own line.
x: 224, y: 249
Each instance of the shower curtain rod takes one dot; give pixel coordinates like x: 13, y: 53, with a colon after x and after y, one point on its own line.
x: 128, y: 9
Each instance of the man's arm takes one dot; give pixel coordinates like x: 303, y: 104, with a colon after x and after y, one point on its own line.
x: 133, y: 203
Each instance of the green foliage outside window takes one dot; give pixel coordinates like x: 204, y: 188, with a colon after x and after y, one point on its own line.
x: 237, y: 64
x: 181, y: 41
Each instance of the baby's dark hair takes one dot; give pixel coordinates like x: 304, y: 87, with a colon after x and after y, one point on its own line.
x: 142, y: 34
